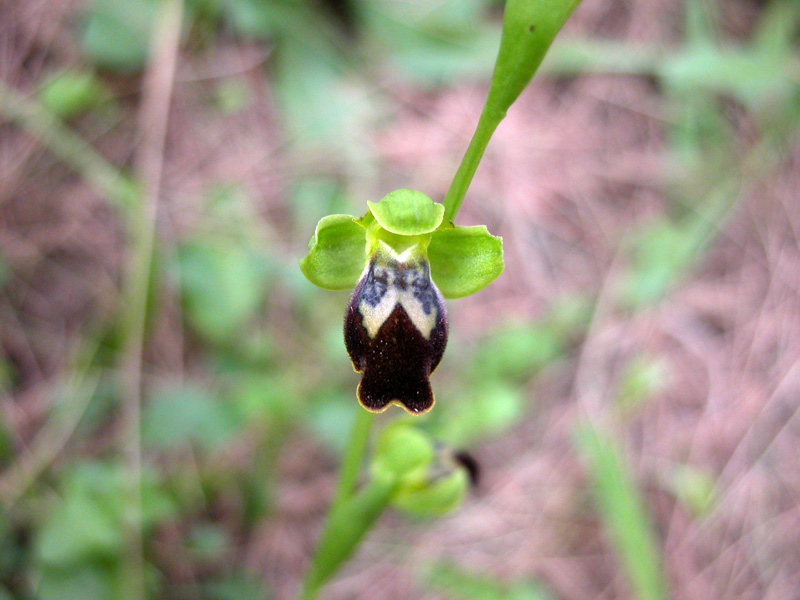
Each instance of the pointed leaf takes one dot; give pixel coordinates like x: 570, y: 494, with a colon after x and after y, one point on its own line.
x: 336, y: 254
x: 407, y: 212
x: 464, y: 259
x: 528, y: 30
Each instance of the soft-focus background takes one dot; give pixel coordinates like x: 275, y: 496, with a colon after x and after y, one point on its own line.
x: 630, y: 385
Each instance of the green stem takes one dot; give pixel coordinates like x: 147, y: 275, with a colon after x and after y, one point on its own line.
x: 353, y: 456
x: 529, y: 27
x: 488, y: 122
x: 350, y: 515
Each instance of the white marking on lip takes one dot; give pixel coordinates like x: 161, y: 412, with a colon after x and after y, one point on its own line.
x: 373, y: 317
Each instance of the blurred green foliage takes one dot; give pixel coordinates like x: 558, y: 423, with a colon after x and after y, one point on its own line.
x: 706, y: 166
x: 269, y: 346
x: 461, y: 584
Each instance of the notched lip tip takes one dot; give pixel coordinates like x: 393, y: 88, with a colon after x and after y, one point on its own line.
x: 410, y: 411
x: 416, y: 413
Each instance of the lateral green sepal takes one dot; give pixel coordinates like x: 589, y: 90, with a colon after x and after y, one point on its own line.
x: 464, y: 259
x: 336, y: 254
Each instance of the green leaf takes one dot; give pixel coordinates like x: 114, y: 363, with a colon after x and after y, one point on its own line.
x: 347, y: 524
x: 331, y: 413
x: 401, y: 451
x: 407, y: 212
x: 518, y: 351
x: 181, y: 415
x: 80, y: 529
x: 693, y: 487
x: 336, y: 254
x: 464, y: 584
x: 86, y: 582
x: 641, y: 377
x: 487, y: 408
x: 528, y: 30
x: 661, y: 254
x: 70, y: 92
x: 234, y: 586
x: 464, y: 259
x: 223, y: 283
x: 117, y: 32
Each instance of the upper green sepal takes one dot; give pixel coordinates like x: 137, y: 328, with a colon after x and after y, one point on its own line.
x: 464, y: 259
x: 407, y: 212
x: 336, y: 254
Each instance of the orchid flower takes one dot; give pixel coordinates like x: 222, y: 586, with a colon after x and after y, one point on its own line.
x: 402, y: 257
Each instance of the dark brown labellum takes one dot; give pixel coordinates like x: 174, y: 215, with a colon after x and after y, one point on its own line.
x: 395, y: 330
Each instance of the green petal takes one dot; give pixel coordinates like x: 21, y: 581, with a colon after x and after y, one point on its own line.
x: 336, y: 254
x: 407, y: 212
x: 464, y: 259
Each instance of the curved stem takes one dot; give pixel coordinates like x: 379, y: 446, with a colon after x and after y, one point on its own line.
x: 350, y: 515
x: 487, y: 123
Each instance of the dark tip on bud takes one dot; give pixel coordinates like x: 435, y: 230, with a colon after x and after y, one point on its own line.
x: 466, y: 460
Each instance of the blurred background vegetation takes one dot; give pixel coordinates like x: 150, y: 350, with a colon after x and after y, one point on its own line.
x: 630, y: 385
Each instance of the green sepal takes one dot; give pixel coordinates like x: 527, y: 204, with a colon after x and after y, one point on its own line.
x: 464, y: 259
x: 407, y: 212
x: 336, y: 254
x: 432, y: 498
x: 401, y: 452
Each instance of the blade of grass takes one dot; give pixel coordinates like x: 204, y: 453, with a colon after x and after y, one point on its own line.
x: 624, y: 514
x: 68, y: 146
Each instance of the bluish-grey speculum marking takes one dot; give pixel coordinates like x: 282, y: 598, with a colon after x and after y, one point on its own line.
x: 375, y: 286
x: 396, y: 332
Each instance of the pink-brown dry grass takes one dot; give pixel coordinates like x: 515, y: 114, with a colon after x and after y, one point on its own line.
x: 575, y: 166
